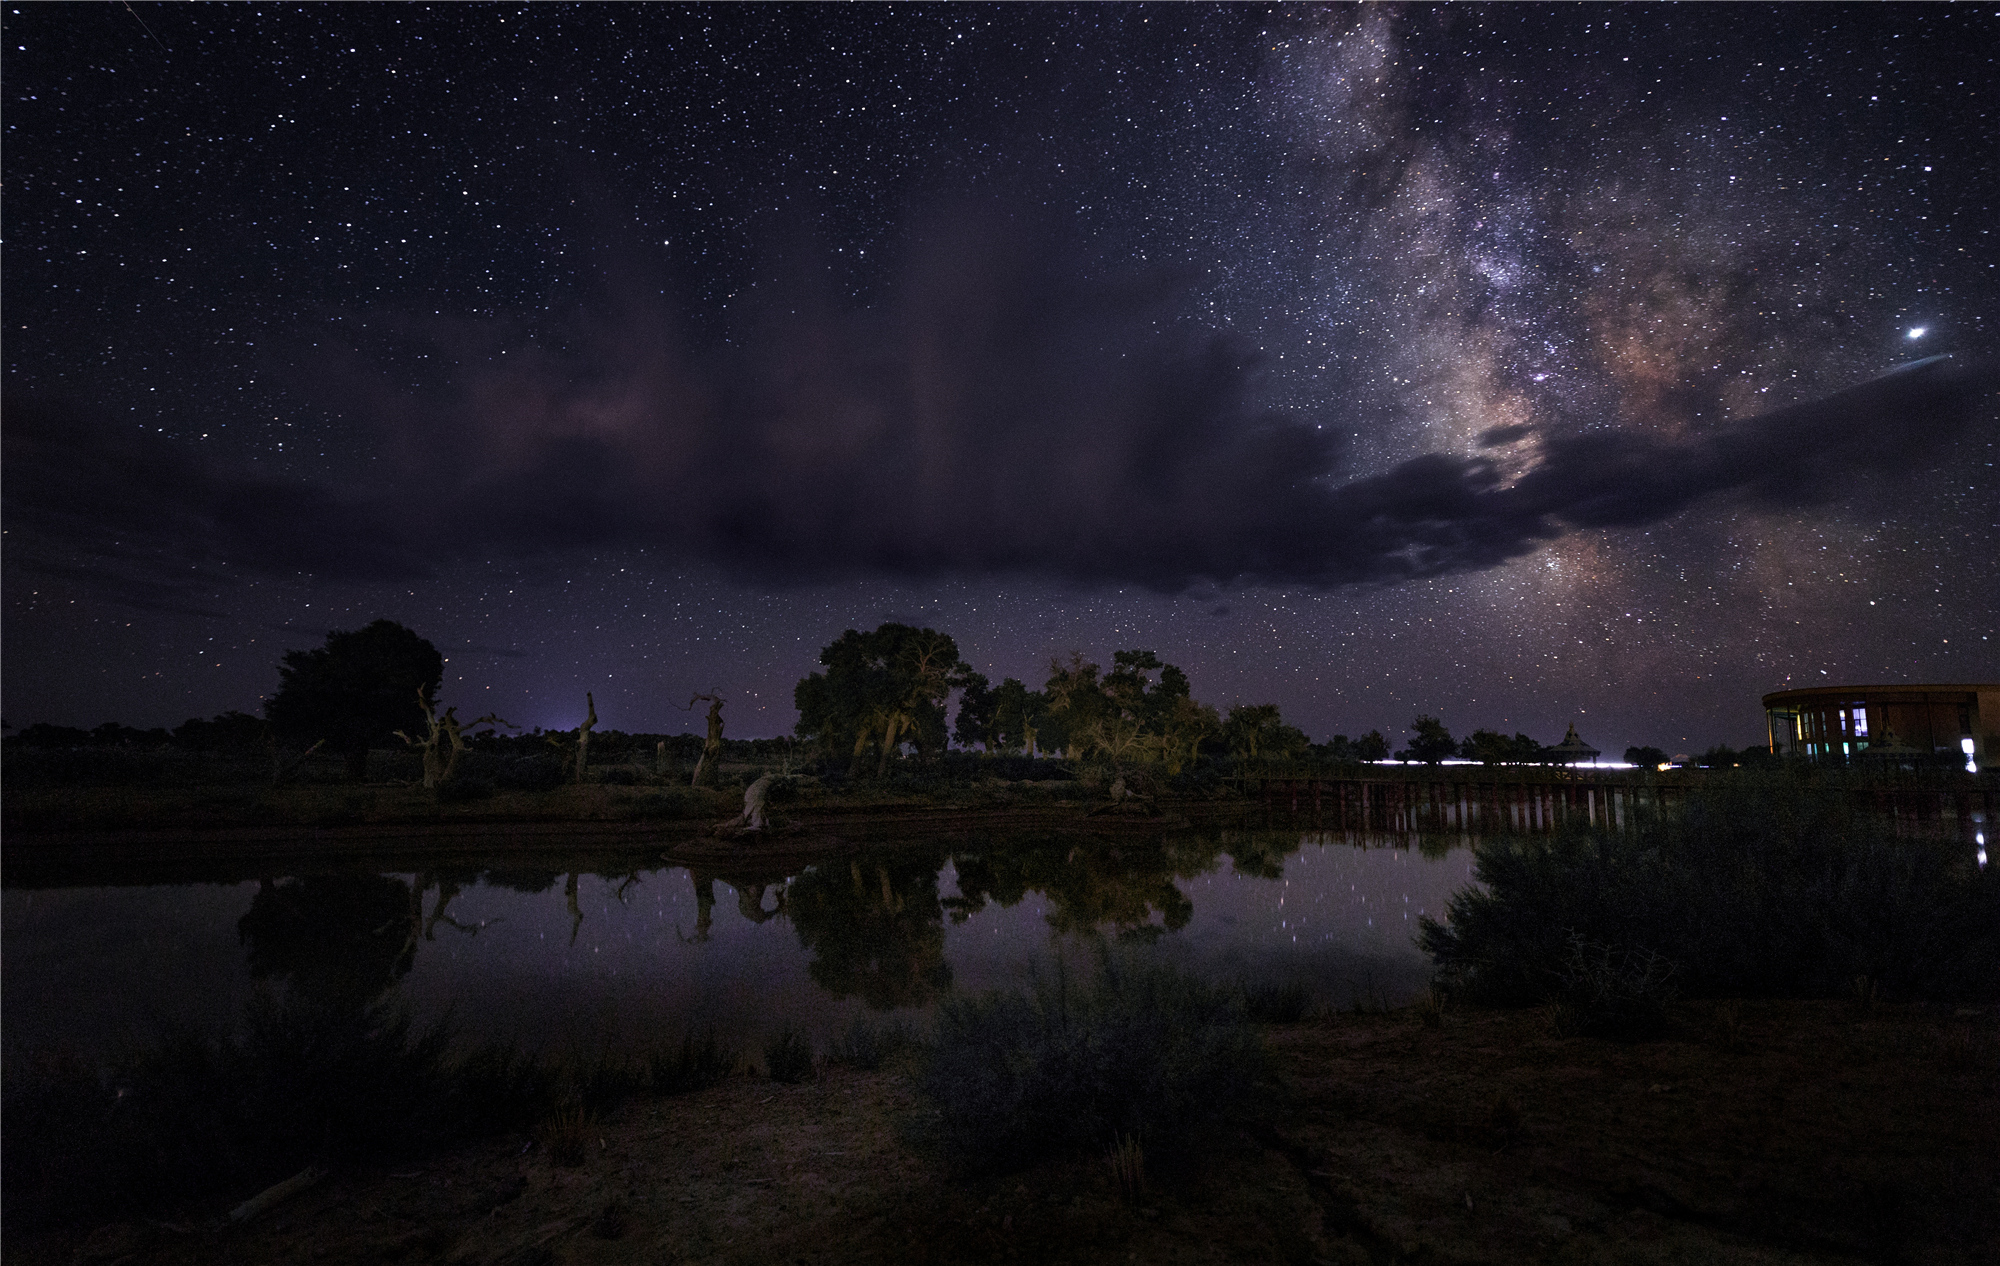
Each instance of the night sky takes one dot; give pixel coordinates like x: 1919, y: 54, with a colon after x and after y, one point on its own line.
x: 1478, y: 361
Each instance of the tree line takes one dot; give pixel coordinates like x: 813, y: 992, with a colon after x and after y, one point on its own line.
x: 880, y: 698
x: 881, y: 692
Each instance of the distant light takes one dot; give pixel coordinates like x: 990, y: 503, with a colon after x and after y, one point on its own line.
x: 1917, y: 331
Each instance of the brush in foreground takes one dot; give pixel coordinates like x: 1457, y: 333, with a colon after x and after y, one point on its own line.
x: 1138, y: 1052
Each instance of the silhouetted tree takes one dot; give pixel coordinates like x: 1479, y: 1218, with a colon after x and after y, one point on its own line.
x: 1076, y: 704
x: 1523, y: 750
x: 356, y: 691
x: 1018, y: 714
x: 1488, y: 747
x: 1338, y: 750
x: 978, y: 710
x: 1259, y: 732
x: 1645, y: 757
x: 1432, y: 742
x: 880, y: 690
x: 1371, y: 747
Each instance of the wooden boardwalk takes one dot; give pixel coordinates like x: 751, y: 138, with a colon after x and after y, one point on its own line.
x: 1453, y: 803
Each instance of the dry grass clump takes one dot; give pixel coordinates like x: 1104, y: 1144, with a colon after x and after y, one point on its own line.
x: 1128, y: 1168
x: 566, y: 1135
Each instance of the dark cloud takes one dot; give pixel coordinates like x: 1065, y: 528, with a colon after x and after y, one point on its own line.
x: 1002, y: 416
x: 73, y: 478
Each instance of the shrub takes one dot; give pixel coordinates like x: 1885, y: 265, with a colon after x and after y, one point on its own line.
x: 1142, y: 1052
x: 788, y: 1056
x: 1763, y: 885
x: 1609, y: 991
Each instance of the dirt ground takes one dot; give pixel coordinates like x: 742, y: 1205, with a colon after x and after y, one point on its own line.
x: 1761, y: 1132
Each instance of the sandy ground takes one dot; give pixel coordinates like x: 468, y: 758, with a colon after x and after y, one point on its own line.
x: 1761, y: 1132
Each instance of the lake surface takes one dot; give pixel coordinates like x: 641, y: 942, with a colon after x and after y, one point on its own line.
x: 579, y: 954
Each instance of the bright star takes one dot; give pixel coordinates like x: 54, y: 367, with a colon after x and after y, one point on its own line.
x: 1918, y: 332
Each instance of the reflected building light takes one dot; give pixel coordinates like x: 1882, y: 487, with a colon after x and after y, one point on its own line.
x: 1980, y: 839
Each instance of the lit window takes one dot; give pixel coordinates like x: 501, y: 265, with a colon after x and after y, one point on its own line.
x: 1861, y: 723
x: 1971, y: 763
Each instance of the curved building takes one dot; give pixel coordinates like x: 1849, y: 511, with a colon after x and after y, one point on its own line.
x: 1838, y: 722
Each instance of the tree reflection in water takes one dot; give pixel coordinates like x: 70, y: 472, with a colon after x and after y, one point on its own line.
x: 1125, y: 886
x: 340, y: 941
x: 873, y: 925
x: 704, y: 907
x: 875, y: 928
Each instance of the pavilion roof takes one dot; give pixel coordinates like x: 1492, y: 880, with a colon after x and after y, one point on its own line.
x: 1573, y: 749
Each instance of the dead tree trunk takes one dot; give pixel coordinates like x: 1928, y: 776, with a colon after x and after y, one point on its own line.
x: 708, y: 771
x: 583, y: 736
x: 444, y: 741
x: 753, y: 818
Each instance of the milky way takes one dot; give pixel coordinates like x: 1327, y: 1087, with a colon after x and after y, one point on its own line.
x: 1506, y: 364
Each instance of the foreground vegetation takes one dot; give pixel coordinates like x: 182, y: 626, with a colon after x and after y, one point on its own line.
x: 192, y: 1116
x: 1757, y: 887
x: 1140, y: 1055
x: 1754, y: 1132
x: 1134, y: 1053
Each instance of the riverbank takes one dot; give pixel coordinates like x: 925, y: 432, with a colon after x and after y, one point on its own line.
x: 596, y: 829
x: 1756, y: 1132
x: 335, y: 807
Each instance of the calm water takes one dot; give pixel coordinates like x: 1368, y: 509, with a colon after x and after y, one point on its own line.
x: 585, y: 952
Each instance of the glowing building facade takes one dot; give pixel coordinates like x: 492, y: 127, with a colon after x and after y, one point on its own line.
x: 1844, y: 722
